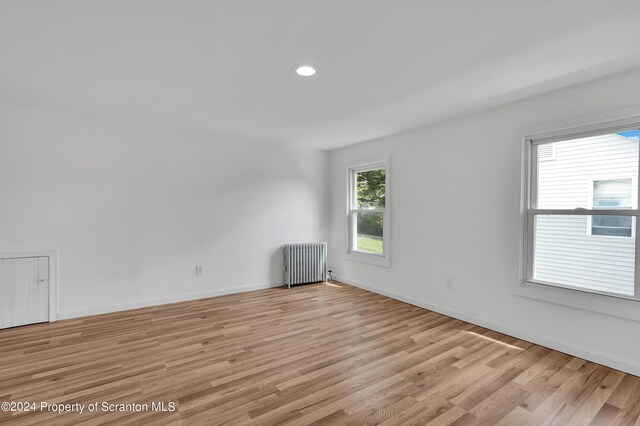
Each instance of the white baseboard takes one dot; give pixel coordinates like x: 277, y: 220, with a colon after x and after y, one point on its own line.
x: 584, y: 353
x: 162, y: 301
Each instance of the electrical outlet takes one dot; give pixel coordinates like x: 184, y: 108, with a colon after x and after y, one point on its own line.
x: 448, y: 283
x: 199, y: 270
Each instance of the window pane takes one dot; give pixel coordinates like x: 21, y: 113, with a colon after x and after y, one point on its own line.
x: 370, y: 189
x: 368, y: 232
x: 597, y: 171
x: 564, y: 253
x: 612, y: 193
x: 613, y: 226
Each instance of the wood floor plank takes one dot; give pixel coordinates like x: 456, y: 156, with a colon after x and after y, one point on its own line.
x: 316, y: 354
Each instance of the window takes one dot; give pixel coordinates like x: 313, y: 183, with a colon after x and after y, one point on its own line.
x: 611, y: 194
x: 368, y: 213
x: 582, y: 209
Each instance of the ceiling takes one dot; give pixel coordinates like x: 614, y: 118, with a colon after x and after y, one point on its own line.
x: 224, y: 66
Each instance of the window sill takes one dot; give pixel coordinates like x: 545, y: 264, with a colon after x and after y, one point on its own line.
x: 372, y: 259
x: 620, y: 307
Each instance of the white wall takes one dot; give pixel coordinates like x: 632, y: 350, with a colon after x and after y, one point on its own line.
x: 455, y: 208
x: 133, y: 209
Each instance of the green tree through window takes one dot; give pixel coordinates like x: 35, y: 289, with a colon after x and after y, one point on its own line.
x: 370, y: 194
x: 370, y: 186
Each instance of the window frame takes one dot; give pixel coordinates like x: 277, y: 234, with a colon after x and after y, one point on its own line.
x: 530, y: 210
x: 363, y: 256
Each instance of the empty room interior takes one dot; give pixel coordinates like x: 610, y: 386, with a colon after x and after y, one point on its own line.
x: 332, y: 213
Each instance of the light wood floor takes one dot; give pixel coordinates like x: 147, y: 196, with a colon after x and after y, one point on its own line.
x: 323, y: 354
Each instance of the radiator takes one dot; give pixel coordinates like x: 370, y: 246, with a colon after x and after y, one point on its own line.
x: 305, y: 263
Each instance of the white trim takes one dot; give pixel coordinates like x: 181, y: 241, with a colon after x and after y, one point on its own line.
x: 53, y: 275
x: 360, y: 256
x: 612, y: 304
x: 586, y: 127
x: 371, y: 258
x: 163, y: 301
x: 588, y: 354
x: 533, y: 283
x: 583, y: 212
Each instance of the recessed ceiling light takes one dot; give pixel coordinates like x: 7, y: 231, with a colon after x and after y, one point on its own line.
x: 305, y: 70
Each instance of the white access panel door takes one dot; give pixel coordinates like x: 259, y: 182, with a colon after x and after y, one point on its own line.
x: 24, y: 291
